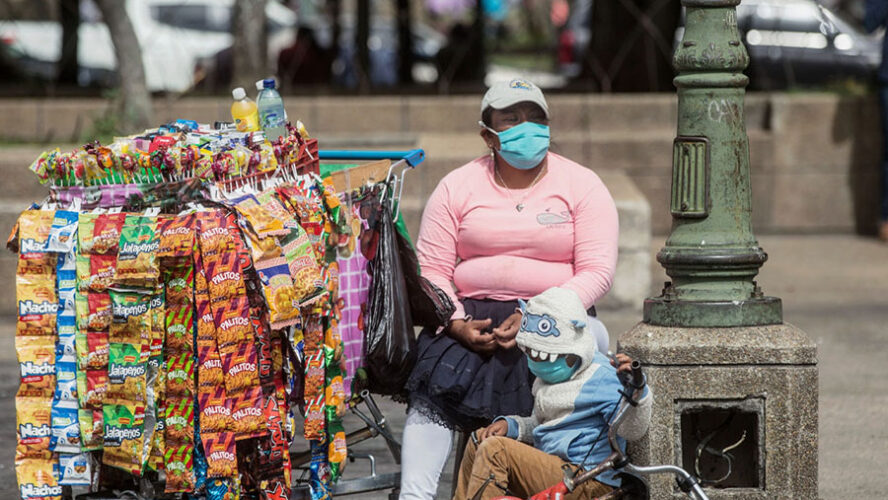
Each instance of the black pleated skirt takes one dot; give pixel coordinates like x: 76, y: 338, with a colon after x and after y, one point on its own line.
x: 463, y: 390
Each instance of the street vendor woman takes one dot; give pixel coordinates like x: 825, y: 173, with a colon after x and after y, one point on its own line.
x: 503, y: 227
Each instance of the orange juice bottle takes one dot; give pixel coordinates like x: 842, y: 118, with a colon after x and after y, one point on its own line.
x: 244, y: 111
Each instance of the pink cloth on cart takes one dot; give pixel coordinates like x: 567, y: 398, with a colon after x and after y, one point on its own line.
x: 354, y: 289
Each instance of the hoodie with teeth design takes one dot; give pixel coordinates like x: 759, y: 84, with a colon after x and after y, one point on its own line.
x: 571, y: 417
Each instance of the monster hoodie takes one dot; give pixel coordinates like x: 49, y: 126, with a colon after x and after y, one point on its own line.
x: 570, y: 418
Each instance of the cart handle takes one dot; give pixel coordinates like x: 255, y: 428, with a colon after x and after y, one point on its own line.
x: 413, y: 157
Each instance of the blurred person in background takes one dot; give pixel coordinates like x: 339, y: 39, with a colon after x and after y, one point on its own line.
x: 877, y: 17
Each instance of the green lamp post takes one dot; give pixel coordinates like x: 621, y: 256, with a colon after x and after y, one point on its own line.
x: 735, y: 388
x: 711, y: 255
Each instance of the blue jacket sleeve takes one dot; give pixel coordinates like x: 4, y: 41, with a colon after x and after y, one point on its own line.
x: 876, y: 14
x: 513, y: 427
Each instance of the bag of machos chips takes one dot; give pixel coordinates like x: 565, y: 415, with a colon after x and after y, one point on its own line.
x: 220, y: 452
x: 36, y: 357
x: 131, y: 311
x: 179, y: 328
x: 37, y: 306
x: 127, y: 373
x: 180, y: 375
x: 137, y: 257
x: 37, y: 479
x: 34, y: 227
x: 179, y: 467
x: 176, y: 236
x: 91, y: 427
x: 33, y: 427
x: 283, y: 306
x: 123, y: 438
x: 179, y: 420
x: 106, y: 233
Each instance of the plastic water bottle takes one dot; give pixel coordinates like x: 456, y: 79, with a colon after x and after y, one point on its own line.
x: 244, y: 111
x: 272, y: 116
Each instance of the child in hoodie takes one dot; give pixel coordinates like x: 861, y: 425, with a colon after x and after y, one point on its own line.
x: 576, y: 392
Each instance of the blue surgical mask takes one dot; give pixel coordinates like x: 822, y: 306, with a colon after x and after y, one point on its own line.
x: 523, y: 146
x: 552, y: 372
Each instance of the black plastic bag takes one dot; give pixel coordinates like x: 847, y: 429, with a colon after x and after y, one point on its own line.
x: 430, y: 307
x: 389, y: 341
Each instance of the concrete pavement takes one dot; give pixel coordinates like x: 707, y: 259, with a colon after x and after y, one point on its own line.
x: 834, y: 287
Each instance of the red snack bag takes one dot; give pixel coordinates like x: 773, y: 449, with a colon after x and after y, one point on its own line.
x: 233, y: 325
x: 206, y: 323
x: 315, y: 375
x: 248, y: 414
x: 180, y: 375
x: 106, y: 233
x: 240, y: 368
x: 179, y: 467
x: 221, y: 457
x: 176, y: 236
x: 209, y: 371
x: 179, y: 328
x: 179, y: 421
x: 216, y: 234
x: 102, y: 272
x: 96, y: 388
x: 315, y: 420
x: 97, y: 357
x: 215, y: 411
x: 99, y: 316
x: 226, y: 281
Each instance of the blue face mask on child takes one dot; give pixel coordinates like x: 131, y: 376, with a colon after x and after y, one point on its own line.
x: 523, y: 146
x: 552, y: 372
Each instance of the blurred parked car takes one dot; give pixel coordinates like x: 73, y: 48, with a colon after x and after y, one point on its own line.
x: 173, y: 34
x: 790, y: 42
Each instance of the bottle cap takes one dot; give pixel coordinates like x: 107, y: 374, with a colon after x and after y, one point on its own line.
x: 268, y: 83
x: 238, y: 93
x: 259, y: 85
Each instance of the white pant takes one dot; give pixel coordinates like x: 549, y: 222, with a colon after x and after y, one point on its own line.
x: 600, y: 331
x: 424, y: 451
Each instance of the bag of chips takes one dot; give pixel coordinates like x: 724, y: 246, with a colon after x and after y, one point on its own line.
x: 99, y: 314
x: 179, y: 467
x: 34, y: 227
x: 283, y: 304
x: 102, y: 272
x: 240, y: 368
x: 233, y: 325
x: 179, y: 420
x: 36, y: 266
x: 106, y: 234
x: 86, y: 225
x: 36, y: 357
x: 37, y: 479
x: 180, y: 283
x: 75, y: 470
x: 179, y: 328
x: 220, y: 451
x: 215, y: 411
x: 303, y: 264
x: 123, y: 438
x: 65, y: 427
x: 37, y: 306
x: 226, y: 281
x: 137, y: 258
x: 176, y: 236
x: 33, y: 419
x: 209, y: 372
x: 61, y: 234
x: 98, y: 351
x: 91, y: 427
x: 127, y: 374
x: 131, y: 311
x: 247, y: 414
x: 180, y: 375
x: 66, y: 381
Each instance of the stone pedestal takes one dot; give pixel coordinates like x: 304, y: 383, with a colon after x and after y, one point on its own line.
x: 757, y: 384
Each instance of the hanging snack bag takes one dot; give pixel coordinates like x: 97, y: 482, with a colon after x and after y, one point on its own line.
x: 180, y: 283
x: 96, y: 388
x: 66, y: 381
x: 209, y: 372
x: 240, y: 368
x: 337, y: 451
x: 61, y: 234
x: 91, y: 427
x: 315, y: 420
x: 37, y: 479
x: 123, y: 435
x: 216, y: 235
x: 262, y: 222
x: 226, y: 281
x: 65, y: 430
x: 85, y: 232
x: 132, y: 316
x: 179, y: 420
x: 98, y: 350
x: 127, y: 374
x: 81, y: 266
x: 34, y: 228
x: 137, y: 258
x: 66, y: 349
x: 220, y: 451
x: 179, y: 328
x: 36, y: 265
x: 158, y: 324
x: 179, y: 468
x: 75, y: 470
x: 283, y: 305
x: 106, y: 233
x: 303, y: 264
x: 233, y: 325
x: 37, y: 306
x: 215, y: 411
x: 102, y: 272
x: 99, y: 315
x: 158, y: 443
x: 36, y: 357
x: 33, y: 418
x: 248, y: 414
x: 180, y: 376
x: 176, y: 236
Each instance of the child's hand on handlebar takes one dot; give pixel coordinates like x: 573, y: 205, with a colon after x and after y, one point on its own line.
x: 498, y: 428
x: 622, y: 363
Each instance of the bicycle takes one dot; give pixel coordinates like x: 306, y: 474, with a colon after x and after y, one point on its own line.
x: 633, y: 486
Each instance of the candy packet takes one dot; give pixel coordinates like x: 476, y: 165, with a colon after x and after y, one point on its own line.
x: 131, y: 316
x: 123, y: 438
x: 62, y: 233
x: 75, y: 470
x: 65, y: 427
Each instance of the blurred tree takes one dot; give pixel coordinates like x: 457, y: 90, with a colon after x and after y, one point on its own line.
x: 405, y: 43
x: 631, y: 47
x: 362, y: 49
x: 69, y: 11
x: 250, y: 44
x: 134, y: 111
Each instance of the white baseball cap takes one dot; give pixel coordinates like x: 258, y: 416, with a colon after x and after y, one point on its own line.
x: 501, y: 95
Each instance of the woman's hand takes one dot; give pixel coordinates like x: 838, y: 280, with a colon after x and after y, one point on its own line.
x: 506, y: 332
x: 471, y: 334
x: 498, y: 428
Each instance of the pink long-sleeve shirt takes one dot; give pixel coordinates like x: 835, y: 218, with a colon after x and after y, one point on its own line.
x: 474, y: 240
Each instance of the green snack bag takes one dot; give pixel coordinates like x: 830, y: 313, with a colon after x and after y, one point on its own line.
x: 123, y: 435
x: 127, y: 375
x: 90, y: 429
x: 137, y: 257
x: 131, y: 323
